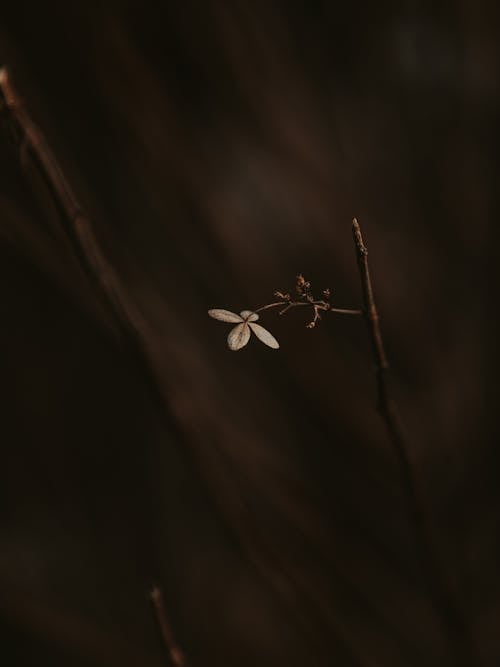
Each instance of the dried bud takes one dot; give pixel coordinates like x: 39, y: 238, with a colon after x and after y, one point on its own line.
x: 302, y: 286
x: 326, y: 293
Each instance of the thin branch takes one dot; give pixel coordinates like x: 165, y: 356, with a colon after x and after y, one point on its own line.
x: 346, y: 311
x: 322, y: 305
x: 175, y: 654
x: 285, y: 309
x: 316, y: 317
x: 271, y: 305
x: 442, y: 594
x: 31, y: 141
x: 126, y: 317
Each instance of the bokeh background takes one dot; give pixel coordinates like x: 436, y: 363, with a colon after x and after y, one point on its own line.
x: 220, y: 148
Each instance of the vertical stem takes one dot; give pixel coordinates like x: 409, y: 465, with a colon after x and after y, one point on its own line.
x: 440, y: 591
x: 175, y: 654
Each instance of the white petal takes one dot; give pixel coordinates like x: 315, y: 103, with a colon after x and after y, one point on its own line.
x: 224, y: 315
x: 238, y: 337
x: 264, y: 335
x: 249, y: 315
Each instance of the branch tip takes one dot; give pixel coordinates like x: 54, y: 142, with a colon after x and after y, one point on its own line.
x: 175, y: 653
x: 358, y: 237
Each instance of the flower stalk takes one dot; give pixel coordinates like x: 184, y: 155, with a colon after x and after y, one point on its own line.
x: 245, y: 321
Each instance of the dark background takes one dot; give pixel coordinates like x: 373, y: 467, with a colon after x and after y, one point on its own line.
x: 219, y: 149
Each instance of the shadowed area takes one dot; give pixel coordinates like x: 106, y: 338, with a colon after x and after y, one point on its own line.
x: 219, y: 149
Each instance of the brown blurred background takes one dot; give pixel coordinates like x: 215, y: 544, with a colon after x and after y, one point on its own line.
x: 220, y: 148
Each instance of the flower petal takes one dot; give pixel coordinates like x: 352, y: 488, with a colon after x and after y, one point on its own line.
x: 238, y: 337
x: 249, y: 315
x: 224, y: 315
x: 264, y: 335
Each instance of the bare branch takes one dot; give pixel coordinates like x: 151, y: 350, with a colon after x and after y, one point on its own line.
x: 31, y: 142
x: 316, y: 316
x: 127, y: 318
x: 321, y: 305
x: 175, y: 654
x: 442, y: 594
x: 271, y: 305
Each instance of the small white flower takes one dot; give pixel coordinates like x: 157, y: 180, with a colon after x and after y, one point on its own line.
x: 240, y: 335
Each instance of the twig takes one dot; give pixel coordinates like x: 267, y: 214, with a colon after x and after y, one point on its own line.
x: 306, y: 298
x: 310, y: 302
x: 78, y: 228
x: 175, y: 654
x: 127, y: 318
x: 322, y: 305
x: 441, y: 592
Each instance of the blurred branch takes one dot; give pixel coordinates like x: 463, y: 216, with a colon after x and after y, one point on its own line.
x: 442, y: 595
x: 31, y: 142
x: 175, y: 654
